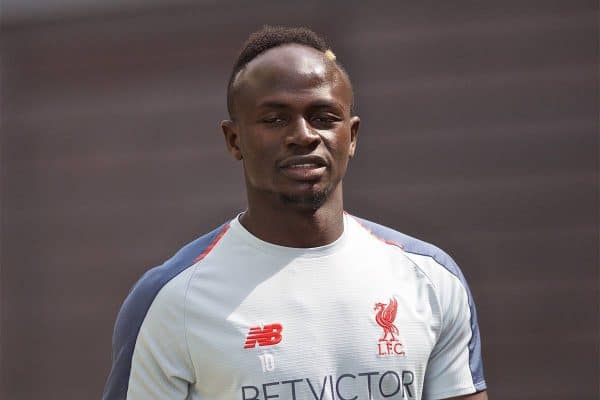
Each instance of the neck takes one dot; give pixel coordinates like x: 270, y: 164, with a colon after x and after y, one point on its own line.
x: 294, y: 226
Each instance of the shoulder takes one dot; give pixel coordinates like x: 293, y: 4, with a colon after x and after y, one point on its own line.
x: 410, y: 244
x: 148, y: 287
x: 144, y: 295
x: 432, y: 260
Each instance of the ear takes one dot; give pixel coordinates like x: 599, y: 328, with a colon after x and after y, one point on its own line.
x: 354, y: 125
x: 232, y: 138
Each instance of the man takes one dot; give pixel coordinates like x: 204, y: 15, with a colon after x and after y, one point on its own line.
x: 295, y: 299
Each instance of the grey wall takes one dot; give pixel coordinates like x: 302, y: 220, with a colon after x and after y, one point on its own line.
x: 479, y: 133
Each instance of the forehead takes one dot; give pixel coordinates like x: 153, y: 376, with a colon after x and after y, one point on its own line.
x: 294, y: 72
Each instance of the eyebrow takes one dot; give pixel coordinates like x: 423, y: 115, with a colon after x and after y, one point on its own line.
x: 272, y: 104
x: 327, y: 104
x: 316, y: 104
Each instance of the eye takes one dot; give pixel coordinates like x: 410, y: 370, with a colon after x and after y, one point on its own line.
x: 325, y: 120
x: 273, y: 120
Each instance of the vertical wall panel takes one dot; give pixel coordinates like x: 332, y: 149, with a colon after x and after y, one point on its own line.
x: 479, y: 133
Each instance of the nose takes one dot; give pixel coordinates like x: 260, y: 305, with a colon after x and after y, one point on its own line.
x: 302, y: 134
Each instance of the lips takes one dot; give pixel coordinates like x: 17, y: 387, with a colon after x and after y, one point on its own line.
x: 296, y: 161
x: 304, y: 168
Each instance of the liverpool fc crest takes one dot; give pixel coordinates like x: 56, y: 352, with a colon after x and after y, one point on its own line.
x: 389, y: 343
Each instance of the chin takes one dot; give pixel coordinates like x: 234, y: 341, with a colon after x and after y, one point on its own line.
x: 313, y: 199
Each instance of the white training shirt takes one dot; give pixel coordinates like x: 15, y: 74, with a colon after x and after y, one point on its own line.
x: 374, y: 315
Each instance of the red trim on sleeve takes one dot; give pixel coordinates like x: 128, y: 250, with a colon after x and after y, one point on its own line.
x: 212, y: 244
x: 390, y: 242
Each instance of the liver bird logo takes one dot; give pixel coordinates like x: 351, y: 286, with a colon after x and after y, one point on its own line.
x: 386, y: 314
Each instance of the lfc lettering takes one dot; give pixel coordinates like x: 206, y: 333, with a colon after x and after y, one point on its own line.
x: 389, y: 348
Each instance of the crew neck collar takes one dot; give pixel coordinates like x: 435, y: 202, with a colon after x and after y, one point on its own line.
x: 240, y: 231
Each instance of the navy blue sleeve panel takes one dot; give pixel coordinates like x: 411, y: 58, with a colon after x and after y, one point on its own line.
x: 136, y: 305
x: 416, y: 246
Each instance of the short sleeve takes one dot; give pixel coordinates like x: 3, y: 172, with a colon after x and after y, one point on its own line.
x: 454, y: 366
x: 151, y: 358
x: 161, y: 366
x: 150, y: 353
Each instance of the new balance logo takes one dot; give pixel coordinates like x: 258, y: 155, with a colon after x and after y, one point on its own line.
x: 268, y: 335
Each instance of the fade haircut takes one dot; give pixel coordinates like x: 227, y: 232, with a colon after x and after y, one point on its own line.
x: 269, y: 37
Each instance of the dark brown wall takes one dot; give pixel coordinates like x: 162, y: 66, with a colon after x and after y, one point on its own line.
x: 479, y: 133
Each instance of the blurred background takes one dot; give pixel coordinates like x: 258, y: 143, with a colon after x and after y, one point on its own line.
x: 479, y: 133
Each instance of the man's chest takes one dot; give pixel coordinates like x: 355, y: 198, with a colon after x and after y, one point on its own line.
x: 308, y: 332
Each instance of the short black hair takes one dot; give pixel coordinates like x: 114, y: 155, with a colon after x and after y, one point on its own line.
x: 267, y: 38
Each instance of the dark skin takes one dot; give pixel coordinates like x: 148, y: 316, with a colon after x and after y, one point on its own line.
x: 293, y: 129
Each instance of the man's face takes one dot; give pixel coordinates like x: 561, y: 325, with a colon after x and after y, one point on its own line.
x: 292, y: 125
